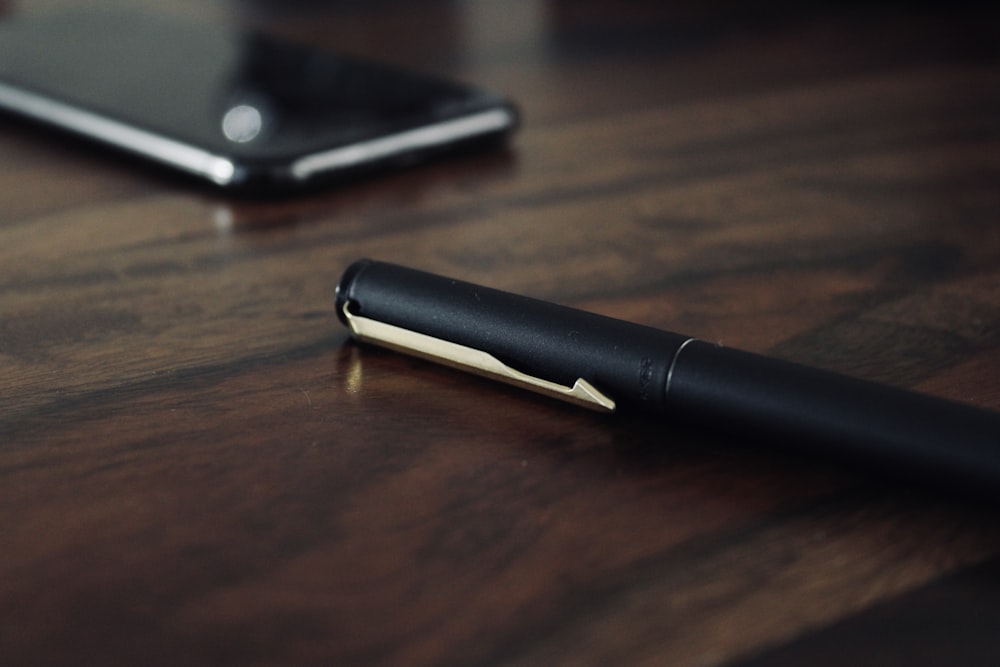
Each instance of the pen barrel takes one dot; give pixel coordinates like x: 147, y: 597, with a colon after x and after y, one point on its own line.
x: 626, y: 361
x: 686, y: 380
x: 835, y: 416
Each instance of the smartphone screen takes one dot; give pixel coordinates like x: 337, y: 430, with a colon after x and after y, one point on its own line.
x: 238, y: 108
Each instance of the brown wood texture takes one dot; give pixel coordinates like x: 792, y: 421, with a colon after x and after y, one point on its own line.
x: 198, y: 467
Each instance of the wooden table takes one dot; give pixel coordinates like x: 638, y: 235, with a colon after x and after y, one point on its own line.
x: 198, y: 467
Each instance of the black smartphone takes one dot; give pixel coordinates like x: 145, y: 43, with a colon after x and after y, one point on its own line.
x: 238, y: 108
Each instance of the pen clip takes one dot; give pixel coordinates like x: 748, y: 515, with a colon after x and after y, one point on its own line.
x: 582, y: 393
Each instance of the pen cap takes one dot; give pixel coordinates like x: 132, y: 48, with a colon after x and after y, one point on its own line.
x: 626, y: 361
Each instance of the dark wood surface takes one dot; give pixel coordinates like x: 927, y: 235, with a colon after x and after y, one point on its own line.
x: 198, y: 467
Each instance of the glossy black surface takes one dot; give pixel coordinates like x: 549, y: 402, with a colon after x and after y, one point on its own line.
x: 237, y: 94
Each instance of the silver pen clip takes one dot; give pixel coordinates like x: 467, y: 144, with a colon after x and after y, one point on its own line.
x: 582, y: 393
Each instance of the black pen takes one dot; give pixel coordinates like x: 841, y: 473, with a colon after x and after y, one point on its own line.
x: 607, y: 364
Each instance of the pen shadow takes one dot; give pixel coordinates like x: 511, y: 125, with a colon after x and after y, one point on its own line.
x: 617, y: 448
x: 643, y: 446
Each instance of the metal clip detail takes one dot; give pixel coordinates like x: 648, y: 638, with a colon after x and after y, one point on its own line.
x: 582, y: 393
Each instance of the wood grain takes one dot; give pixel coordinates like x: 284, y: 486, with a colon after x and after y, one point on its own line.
x: 197, y: 467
